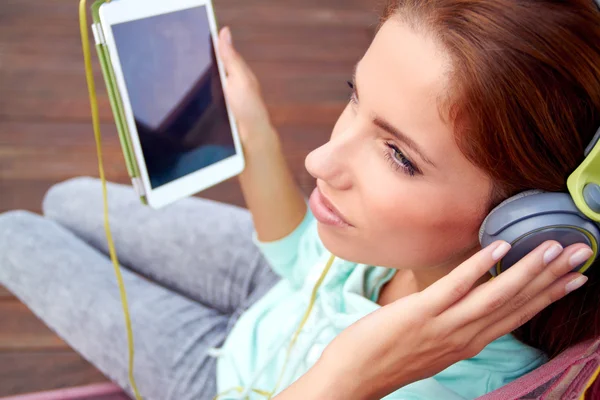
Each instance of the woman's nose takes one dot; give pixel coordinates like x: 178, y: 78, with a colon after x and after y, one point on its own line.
x: 331, y: 163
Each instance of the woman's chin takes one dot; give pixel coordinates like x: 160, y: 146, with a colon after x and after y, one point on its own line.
x: 346, y: 247
x: 354, y: 248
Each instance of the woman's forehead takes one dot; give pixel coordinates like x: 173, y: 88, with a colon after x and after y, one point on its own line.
x: 402, y: 78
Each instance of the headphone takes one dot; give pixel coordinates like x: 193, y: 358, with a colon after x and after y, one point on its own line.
x: 528, y: 219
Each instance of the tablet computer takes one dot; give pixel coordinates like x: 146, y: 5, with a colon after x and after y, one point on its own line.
x: 164, y: 61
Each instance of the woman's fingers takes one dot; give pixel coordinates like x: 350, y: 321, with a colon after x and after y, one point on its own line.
x: 518, y: 317
x: 561, y: 265
x: 445, y: 292
x: 226, y: 35
x: 515, y: 296
x: 223, y: 48
x: 234, y: 64
x: 486, y: 299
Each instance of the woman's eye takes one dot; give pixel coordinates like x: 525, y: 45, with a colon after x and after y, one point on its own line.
x: 399, y: 161
x: 353, y: 96
x: 393, y: 154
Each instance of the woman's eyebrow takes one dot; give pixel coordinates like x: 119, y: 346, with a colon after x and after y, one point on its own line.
x: 386, y: 126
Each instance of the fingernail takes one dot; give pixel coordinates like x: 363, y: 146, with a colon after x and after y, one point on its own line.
x: 227, y: 34
x: 500, y: 251
x: 580, y: 256
x: 552, y: 252
x: 576, y: 283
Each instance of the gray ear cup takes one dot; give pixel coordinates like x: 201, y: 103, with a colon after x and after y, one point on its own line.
x: 509, y: 200
x: 530, y: 218
x: 591, y: 195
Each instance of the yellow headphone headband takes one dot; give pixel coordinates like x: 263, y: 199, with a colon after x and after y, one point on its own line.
x: 584, y: 182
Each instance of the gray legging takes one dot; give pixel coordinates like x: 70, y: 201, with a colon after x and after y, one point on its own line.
x: 191, y: 270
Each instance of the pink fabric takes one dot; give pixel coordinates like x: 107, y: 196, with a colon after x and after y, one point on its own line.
x: 564, y: 377
x: 593, y: 393
x: 101, y: 391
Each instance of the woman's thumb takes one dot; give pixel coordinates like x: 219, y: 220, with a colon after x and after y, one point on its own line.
x: 226, y: 47
x: 226, y: 35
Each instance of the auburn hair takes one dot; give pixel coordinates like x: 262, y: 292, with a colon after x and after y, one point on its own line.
x: 524, y: 101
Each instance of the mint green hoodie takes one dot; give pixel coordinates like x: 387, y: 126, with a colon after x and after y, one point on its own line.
x: 254, y: 352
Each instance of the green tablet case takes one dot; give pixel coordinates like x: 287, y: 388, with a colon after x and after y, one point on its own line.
x: 116, y: 102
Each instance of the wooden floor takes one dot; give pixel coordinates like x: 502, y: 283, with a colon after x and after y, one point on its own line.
x: 302, y: 51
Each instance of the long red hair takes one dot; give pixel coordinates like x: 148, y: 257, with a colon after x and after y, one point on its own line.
x: 524, y: 99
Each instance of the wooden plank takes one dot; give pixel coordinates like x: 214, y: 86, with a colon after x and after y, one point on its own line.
x: 310, y: 118
x: 22, y: 330
x: 65, y: 150
x: 22, y: 195
x: 46, y: 81
x: 5, y: 295
x: 94, y: 391
x: 312, y: 12
x: 63, y: 95
x: 302, y: 52
x: 31, y: 372
x: 299, y: 25
x: 28, y: 195
x: 65, y: 7
x: 306, y: 120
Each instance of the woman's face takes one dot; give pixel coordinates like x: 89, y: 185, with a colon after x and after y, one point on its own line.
x: 392, y: 168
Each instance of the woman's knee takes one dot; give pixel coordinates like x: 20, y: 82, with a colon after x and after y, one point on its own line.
x: 19, y: 233
x: 61, y: 194
x: 77, y: 203
x: 28, y: 238
x: 17, y: 223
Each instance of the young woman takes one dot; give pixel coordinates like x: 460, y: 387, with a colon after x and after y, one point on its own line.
x: 456, y: 105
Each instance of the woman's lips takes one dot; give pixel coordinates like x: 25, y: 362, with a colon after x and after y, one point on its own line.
x: 324, y: 211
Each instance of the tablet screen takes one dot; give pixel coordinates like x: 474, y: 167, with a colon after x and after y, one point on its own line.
x: 170, y: 71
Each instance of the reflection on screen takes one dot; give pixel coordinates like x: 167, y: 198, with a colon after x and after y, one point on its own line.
x: 171, y: 75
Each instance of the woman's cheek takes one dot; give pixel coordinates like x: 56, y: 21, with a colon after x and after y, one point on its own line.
x: 406, y: 231
x: 391, y: 199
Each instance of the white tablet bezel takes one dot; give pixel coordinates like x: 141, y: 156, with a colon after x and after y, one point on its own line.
x: 117, y: 12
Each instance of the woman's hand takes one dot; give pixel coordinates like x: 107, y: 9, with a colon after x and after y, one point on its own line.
x: 274, y: 199
x: 422, y: 334
x: 243, y: 94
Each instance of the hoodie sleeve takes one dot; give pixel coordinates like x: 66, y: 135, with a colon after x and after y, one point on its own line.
x: 426, y: 389
x: 292, y: 256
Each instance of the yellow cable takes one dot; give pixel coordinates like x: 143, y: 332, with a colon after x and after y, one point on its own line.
x: 96, y: 125
x: 313, y: 298
x: 111, y: 247
x: 590, y: 382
